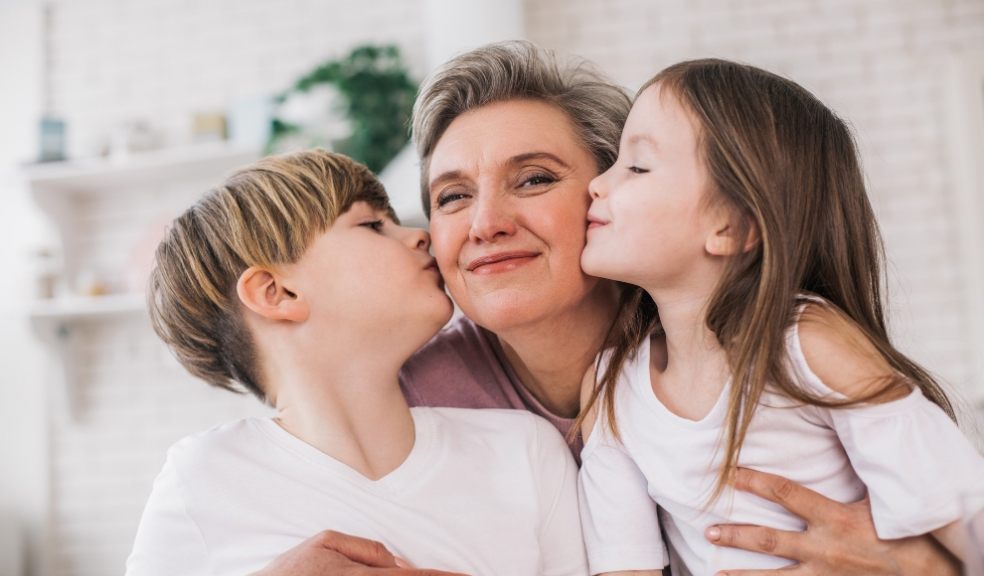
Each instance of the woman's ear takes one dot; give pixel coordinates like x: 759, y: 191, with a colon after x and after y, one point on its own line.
x: 265, y: 293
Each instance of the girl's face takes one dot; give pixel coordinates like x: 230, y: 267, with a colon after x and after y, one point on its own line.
x: 650, y: 222
x: 366, y: 270
x: 508, y: 193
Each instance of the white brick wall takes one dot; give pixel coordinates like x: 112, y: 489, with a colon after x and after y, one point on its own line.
x: 875, y: 61
x: 878, y: 63
x: 164, y: 60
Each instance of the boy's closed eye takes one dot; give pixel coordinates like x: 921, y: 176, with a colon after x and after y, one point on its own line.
x: 376, y: 225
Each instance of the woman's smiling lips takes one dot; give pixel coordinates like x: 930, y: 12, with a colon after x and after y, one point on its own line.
x: 501, y: 261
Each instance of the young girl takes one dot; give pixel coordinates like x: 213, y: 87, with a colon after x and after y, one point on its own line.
x: 738, y: 203
x: 294, y: 280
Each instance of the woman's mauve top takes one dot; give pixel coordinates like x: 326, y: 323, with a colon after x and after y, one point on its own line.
x: 464, y: 366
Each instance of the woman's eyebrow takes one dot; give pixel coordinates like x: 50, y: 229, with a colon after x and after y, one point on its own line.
x: 521, y: 158
x: 448, y: 176
x: 452, y: 175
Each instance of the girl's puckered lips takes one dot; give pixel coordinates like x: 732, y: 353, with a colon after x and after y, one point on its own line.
x: 595, y: 222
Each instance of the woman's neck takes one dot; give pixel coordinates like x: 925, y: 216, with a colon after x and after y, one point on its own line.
x: 551, y: 357
x: 357, y: 414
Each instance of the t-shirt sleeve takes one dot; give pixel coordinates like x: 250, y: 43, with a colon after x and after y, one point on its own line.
x: 920, y: 470
x: 168, y: 541
x: 619, y: 518
x: 561, y: 546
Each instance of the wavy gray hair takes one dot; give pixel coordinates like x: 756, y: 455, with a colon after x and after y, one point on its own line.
x: 515, y: 70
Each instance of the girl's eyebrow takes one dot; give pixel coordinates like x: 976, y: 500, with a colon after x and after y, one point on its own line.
x: 643, y: 138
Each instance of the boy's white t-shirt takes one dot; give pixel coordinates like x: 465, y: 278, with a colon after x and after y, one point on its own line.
x: 917, y: 467
x: 483, y: 492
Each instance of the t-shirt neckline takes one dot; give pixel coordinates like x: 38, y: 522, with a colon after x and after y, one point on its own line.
x: 402, y: 478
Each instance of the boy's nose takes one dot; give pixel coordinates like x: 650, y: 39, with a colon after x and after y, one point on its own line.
x: 418, y: 238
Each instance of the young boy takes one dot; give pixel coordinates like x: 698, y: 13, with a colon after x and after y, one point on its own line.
x: 294, y: 280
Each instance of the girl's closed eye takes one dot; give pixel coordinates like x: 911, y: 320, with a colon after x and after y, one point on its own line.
x: 638, y: 169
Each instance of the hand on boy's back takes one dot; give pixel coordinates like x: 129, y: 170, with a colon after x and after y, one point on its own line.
x: 331, y: 553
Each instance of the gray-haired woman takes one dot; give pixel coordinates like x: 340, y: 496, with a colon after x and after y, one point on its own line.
x: 509, y: 138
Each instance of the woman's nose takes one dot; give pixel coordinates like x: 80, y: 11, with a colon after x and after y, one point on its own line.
x: 491, y: 218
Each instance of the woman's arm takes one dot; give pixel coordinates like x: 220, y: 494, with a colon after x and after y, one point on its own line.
x: 839, y: 538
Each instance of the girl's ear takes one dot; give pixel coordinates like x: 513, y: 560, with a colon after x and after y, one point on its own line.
x: 725, y: 241
x: 265, y: 293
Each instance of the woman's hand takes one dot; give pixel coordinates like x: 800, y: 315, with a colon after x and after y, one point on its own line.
x: 839, y: 538
x: 332, y: 553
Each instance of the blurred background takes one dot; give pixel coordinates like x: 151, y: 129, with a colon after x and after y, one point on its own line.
x: 115, y: 114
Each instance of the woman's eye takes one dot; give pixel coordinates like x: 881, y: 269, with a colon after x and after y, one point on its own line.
x: 376, y: 225
x: 538, y: 180
x: 637, y: 170
x: 445, y: 198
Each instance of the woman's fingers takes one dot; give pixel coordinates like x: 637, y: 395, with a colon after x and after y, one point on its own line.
x: 794, y: 570
x: 361, y: 550
x: 372, y: 554
x: 803, y: 502
x: 758, y: 539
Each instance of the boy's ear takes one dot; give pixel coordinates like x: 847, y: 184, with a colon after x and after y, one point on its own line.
x: 725, y: 240
x: 265, y: 293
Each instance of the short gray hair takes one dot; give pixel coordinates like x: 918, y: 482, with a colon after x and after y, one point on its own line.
x: 519, y: 70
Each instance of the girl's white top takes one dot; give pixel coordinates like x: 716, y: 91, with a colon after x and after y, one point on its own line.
x: 918, y: 468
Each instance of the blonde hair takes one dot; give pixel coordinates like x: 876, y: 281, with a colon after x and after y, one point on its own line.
x: 518, y: 70
x: 263, y: 215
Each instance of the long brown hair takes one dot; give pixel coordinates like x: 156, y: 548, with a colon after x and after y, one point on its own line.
x: 787, y: 164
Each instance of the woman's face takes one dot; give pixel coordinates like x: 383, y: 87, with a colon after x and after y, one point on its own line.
x: 509, y: 197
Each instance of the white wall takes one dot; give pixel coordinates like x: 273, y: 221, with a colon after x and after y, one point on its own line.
x: 23, y: 441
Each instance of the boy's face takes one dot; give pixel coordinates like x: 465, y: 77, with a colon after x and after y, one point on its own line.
x: 368, y: 274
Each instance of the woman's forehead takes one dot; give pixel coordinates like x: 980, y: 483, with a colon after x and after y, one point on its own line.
x: 500, y: 133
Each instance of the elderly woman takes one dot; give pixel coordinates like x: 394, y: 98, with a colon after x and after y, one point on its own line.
x: 509, y: 139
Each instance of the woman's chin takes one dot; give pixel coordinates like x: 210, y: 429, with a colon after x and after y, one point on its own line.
x: 508, y: 311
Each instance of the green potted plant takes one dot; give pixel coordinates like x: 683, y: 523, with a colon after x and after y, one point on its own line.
x: 375, y: 96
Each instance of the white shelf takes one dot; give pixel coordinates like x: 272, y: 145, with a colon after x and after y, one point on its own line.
x: 138, y: 169
x: 85, y: 308
x: 155, y: 179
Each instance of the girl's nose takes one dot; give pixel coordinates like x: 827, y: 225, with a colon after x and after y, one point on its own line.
x: 596, y: 187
